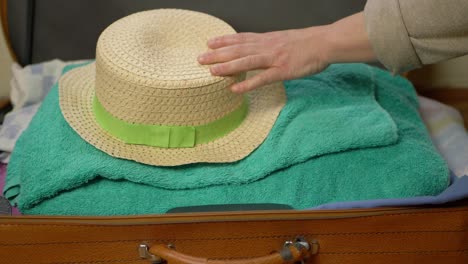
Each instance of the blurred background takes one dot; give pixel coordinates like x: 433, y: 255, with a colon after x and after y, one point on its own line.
x: 5, y: 65
x: 452, y: 73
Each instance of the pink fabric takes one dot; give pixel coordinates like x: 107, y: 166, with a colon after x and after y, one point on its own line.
x: 3, y: 169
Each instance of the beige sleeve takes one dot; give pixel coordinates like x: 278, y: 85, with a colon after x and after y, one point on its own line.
x: 406, y: 34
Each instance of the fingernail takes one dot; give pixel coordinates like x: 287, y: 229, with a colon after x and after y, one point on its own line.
x: 236, y: 89
x: 211, y: 41
x: 214, y: 70
x: 202, y: 58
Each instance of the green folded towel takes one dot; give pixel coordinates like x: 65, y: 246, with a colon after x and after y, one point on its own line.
x: 333, y: 141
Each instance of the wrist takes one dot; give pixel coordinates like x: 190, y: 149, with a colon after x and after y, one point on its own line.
x: 332, y: 45
x: 347, y: 41
x: 318, y: 43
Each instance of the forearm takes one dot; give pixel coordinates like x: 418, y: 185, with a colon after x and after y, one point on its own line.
x: 347, y: 41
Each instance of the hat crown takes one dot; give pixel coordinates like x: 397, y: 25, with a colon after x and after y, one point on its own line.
x: 147, y: 70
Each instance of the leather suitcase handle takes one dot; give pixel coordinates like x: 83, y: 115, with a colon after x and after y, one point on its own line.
x: 292, y: 252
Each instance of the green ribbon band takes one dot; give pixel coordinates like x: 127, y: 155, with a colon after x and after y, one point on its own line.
x: 168, y: 136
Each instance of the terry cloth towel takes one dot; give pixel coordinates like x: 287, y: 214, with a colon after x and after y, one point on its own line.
x: 457, y: 190
x: 333, y: 141
x: 444, y: 122
x: 449, y: 135
x: 5, y: 207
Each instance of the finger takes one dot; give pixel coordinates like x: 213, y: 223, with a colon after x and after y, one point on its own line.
x: 232, y: 39
x: 226, y: 54
x: 241, y: 65
x: 266, y: 77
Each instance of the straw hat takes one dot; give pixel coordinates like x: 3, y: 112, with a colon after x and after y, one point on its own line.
x: 146, y: 98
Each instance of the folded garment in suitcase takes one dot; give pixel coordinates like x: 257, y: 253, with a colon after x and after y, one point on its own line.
x: 381, y: 106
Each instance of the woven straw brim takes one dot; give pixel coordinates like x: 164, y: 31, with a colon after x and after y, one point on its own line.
x: 76, y: 92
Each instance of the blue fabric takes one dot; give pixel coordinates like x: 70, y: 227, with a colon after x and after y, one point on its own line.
x: 350, y: 133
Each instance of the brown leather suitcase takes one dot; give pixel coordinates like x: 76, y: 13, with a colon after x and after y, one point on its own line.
x: 391, y: 235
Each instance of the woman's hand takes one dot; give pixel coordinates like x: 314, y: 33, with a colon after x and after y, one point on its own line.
x: 283, y: 55
x: 290, y: 54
